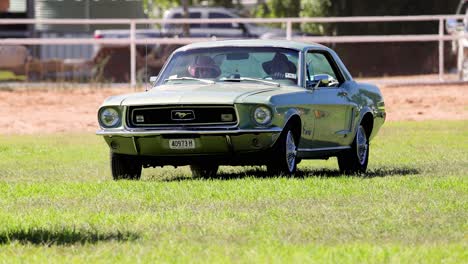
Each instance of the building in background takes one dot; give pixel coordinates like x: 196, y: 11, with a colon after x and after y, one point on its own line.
x: 84, y: 9
x: 54, y: 9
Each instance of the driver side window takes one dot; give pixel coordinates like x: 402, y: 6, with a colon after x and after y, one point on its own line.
x: 318, y: 64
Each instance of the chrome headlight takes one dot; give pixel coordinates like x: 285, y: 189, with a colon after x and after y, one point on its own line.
x: 109, y: 117
x: 262, y: 115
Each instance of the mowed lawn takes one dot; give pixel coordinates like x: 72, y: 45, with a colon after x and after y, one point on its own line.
x: 59, y: 204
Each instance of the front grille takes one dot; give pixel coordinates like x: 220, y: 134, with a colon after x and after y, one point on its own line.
x: 152, y: 116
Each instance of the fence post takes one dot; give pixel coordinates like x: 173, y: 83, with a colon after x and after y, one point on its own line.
x: 441, y: 50
x: 460, y: 55
x: 132, y: 54
x: 288, y: 30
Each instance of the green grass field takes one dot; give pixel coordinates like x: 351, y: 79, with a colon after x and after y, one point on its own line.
x: 59, y: 204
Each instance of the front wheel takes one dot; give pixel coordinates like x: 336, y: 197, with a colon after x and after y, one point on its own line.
x: 204, y: 171
x: 354, y: 160
x: 125, y: 167
x: 284, y: 160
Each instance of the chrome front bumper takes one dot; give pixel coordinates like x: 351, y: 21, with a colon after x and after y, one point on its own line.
x: 153, y: 132
x: 207, y: 141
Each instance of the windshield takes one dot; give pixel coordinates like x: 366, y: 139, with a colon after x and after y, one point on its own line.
x: 246, y: 64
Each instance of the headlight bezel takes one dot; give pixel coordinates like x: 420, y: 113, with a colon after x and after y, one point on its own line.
x: 265, y: 109
x: 112, y: 108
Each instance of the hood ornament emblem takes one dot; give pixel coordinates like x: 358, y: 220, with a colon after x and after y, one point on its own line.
x: 185, y: 115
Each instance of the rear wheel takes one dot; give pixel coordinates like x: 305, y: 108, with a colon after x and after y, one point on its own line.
x: 354, y: 160
x: 125, y: 167
x: 204, y: 171
x: 284, y: 161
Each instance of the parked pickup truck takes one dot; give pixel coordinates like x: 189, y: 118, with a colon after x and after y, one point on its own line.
x: 222, y: 30
x: 151, y: 58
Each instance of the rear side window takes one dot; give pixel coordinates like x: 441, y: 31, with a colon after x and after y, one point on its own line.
x: 219, y: 15
x: 191, y: 15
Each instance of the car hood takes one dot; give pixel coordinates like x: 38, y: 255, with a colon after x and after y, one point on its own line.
x: 218, y: 93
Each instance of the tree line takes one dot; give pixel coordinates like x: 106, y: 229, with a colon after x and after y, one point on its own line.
x: 329, y: 8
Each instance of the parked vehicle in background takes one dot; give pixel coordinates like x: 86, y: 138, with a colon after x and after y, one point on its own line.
x: 125, y: 33
x: 223, y: 30
x: 151, y: 58
x: 244, y: 102
x: 460, y: 46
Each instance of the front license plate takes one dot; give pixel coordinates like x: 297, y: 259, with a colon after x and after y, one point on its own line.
x: 186, y: 143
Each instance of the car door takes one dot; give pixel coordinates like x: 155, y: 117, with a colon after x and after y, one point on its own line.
x: 330, y: 103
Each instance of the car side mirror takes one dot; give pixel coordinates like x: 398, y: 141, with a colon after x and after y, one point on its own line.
x: 453, y: 25
x: 153, y: 79
x: 321, y: 80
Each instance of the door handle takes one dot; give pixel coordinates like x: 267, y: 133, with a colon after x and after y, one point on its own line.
x: 342, y: 93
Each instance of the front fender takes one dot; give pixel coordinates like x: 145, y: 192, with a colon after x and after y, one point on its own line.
x: 289, y: 114
x: 284, y: 116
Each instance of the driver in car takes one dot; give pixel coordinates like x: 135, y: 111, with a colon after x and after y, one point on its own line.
x: 279, y: 67
x: 204, y: 67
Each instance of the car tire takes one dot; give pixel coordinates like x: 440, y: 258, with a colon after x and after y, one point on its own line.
x: 284, y: 159
x: 204, y: 171
x: 125, y: 167
x: 354, y: 160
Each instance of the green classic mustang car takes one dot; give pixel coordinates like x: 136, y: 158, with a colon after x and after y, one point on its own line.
x: 244, y: 102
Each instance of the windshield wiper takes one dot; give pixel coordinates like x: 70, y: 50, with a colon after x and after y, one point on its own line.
x: 190, y: 78
x: 250, y: 79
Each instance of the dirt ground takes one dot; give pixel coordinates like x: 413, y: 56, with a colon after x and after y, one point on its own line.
x: 32, y: 111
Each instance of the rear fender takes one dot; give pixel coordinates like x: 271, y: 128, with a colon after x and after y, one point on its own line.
x: 365, y: 110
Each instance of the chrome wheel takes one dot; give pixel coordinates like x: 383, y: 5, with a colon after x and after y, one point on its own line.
x: 355, y: 159
x: 284, y: 155
x: 361, y: 145
x: 291, y: 151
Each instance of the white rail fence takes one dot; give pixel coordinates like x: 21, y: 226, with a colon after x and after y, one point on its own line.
x: 439, y: 37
